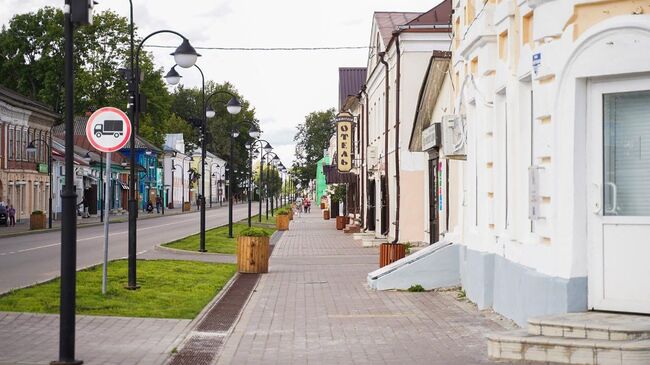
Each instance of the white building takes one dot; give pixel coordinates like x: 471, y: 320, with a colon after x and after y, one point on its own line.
x: 401, y: 49
x: 556, y: 185
x: 176, y: 166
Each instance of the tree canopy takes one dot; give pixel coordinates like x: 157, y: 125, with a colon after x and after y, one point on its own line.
x: 312, y: 138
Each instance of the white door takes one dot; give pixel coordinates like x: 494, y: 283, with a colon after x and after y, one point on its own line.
x: 618, y: 165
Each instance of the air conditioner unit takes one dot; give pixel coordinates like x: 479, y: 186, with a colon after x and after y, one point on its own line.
x: 454, y: 137
x: 372, y: 157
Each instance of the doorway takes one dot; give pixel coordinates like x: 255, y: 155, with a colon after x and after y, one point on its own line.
x: 434, y: 212
x: 384, y: 205
x: 370, y: 213
x: 618, y: 168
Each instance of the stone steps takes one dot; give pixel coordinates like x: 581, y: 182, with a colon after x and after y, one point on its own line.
x: 363, y: 235
x: 587, y: 338
x: 373, y: 242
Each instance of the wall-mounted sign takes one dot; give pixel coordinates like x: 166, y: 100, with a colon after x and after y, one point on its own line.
x: 344, y: 141
x: 431, y: 137
x: 537, y: 62
x: 534, y: 197
x: 42, y: 168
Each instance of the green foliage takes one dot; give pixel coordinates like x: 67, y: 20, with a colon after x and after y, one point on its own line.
x: 462, y: 295
x: 312, y: 138
x: 272, y: 180
x: 416, y: 288
x: 170, y: 289
x: 282, y: 211
x: 254, y: 232
x: 338, y: 192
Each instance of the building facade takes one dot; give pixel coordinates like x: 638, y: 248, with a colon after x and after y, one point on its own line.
x: 401, y: 46
x: 554, y: 98
x: 24, y: 178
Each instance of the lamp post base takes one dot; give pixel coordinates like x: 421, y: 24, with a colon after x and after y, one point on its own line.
x: 203, y: 250
x: 127, y: 287
x: 73, y: 362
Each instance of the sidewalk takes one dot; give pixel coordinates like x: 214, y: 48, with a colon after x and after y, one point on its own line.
x: 313, y: 307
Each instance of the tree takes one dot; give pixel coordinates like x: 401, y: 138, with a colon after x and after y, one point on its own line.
x: 313, y: 137
x: 31, y: 62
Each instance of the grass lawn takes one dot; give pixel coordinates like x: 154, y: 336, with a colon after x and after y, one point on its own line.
x: 216, y: 239
x: 169, y: 289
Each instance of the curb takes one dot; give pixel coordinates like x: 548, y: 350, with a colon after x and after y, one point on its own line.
x: 160, y: 247
x: 180, y: 341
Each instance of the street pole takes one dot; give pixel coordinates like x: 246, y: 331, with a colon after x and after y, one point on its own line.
x: 106, y: 222
x: 250, y: 179
x: 69, y: 219
x: 173, y: 183
x: 230, y: 189
x: 262, y: 191
x: 49, y: 169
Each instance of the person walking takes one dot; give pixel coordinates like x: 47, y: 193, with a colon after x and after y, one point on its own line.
x: 12, y: 216
x: 299, y: 205
x: 158, y: 204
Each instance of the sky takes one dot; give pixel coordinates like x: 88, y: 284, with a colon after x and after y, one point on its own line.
x: 282, y: 86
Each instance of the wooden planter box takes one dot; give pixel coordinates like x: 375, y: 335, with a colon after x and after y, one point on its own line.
x: 187, y: 206
x: 37, y: 221
x: 282, y: 222
x: 326, y: 215
x: 322, y: 205
x: 391, y: 252
x: 253, y: 254
x: 341, y: 222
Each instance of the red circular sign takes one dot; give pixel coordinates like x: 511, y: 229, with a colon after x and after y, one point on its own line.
x: 108, y: 129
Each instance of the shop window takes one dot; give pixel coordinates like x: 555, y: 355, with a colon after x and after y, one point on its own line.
x: 11, y: 147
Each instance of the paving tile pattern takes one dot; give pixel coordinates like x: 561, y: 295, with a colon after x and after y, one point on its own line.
x: 27, y: 338
x: 313, y: 307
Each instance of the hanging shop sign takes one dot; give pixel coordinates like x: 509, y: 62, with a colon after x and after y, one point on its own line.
x: 431, y: 137
x: 344, y: 140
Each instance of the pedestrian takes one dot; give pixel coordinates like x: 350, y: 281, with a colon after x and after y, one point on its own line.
x: 158, y: 204
x: 308, y: 203
x: 12, y: 215
x: 299, y: 204
x: 149, y: 207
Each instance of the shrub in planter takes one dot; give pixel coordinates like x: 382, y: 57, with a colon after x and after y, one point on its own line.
x: 37, y: 220
x: 253, y: 250
x: 282, y: 219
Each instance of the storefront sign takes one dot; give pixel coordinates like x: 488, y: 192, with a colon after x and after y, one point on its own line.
x: 533, y: 193
x: 431, y: 137
x: 42, y: 168
x: 344, y: 141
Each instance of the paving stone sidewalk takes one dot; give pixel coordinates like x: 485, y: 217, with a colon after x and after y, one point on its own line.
x: 314, y: 307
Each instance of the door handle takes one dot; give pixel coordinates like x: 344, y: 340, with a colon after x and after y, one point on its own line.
x: 614, y: 195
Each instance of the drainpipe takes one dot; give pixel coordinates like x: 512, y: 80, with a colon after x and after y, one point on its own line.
x: 397, y: 125
x: 382, y: 56
x: 364, y: 145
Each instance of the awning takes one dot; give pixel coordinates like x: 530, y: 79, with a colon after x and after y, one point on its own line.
x: 333, y: 176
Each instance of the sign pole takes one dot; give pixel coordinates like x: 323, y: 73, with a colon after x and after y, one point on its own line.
x: 106, y: 220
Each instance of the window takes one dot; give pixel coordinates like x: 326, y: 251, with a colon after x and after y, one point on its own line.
x: 503, y: 45
x: 23, y: 145
x: 30, y: 138
x: 19, y: 151
x: 474, y: 66
x: 10, y: 148
x: 527, y: 29
x: 469, y: 12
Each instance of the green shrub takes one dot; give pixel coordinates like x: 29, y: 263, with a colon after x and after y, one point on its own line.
x: 253, y: 232
x: 38, y: 212
x: 282, y: 211
x: 416, y: 288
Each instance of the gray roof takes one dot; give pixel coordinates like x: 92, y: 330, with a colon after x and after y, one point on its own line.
x: 351, y: 79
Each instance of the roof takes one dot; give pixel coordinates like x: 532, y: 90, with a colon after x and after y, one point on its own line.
x: 351, y: 79
x: 439, y: 15
x: 387, y: 22
x: 81, y: 140
x: 429, y: 91
x: 14, y: 98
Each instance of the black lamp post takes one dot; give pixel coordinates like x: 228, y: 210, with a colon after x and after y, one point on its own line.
x: 267, y: 149
x: 251, y: 153
x: 31, y: 148
x: 269, y: 153
x: 185, y: 56
x: 212, y: 174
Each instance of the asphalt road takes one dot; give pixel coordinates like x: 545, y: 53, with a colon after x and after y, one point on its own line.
x: 32, y: 258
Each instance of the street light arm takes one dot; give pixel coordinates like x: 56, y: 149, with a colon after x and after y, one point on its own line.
x: 207, y: 100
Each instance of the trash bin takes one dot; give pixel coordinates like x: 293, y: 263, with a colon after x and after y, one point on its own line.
x: 326, y: 214
x: 187, y: 206
x: 341, y: 221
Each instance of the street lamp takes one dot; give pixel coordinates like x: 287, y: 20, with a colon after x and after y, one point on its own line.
x: 31, y: 148
x: 185, y: 56
x: 252, y: 151
x: 211, y: 176
x: 233, y: 107
x: 264, y: 157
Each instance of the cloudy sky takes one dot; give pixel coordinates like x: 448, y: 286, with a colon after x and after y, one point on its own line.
x: 282, y: 86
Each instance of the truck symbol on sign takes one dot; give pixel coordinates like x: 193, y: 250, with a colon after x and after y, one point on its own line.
x: 114, y: 127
